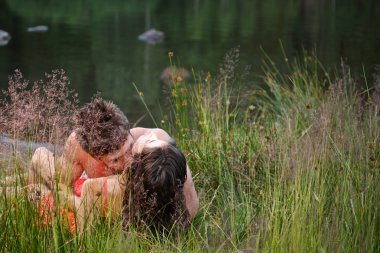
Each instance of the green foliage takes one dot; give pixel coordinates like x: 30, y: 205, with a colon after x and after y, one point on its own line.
x: 296, y: 171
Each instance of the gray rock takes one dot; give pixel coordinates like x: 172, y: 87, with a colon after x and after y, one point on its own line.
x: 38, y: 28
x: 5, y: 37
x: 26, y: 146
x: 15, y: 152
x: 152, y: 36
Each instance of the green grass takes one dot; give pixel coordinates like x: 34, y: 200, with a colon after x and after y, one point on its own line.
x: 296, y: 168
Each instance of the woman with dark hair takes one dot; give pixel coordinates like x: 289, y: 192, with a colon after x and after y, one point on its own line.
x: 155, y: 190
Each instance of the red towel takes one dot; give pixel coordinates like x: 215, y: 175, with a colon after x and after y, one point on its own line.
x: 47, y: 213
x: 47, y: 206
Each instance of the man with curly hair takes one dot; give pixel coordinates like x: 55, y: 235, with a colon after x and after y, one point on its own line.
x: 98, y: 147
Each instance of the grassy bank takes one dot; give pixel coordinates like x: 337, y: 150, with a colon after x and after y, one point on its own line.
x: 291, y: 167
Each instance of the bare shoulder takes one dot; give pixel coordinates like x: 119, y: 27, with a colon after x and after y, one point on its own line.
x: 136, y: 132
x: 105, y: 184
x: 72, y: 140
x: 160, y: 133
x: 92, y: 186
x: 73, y: 149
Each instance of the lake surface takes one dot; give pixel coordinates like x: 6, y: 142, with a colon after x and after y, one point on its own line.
x: 96, y: 43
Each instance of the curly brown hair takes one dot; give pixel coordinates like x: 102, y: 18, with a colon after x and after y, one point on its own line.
x: 101, y: 127
x: 154, y: 196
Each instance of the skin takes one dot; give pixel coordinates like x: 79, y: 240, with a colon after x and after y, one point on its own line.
x: 75, y: 160
x: 91, y: 202
x: 102, y: 170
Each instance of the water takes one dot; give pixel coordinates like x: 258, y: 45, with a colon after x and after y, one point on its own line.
x: 96, y: 43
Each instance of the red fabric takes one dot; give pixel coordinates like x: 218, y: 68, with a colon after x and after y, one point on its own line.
x: 47, y: 213
x: 47, y: 208
x: 78, y: 186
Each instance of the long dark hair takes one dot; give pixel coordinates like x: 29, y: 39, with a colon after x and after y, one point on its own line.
x: 154, y: 196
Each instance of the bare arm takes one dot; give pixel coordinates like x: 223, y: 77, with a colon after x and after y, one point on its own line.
x: 89, y: 203
x: 100, y: 196
x: 71, y: 167
x: 191, y: 197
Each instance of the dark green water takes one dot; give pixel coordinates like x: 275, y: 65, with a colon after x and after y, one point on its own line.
x: 96, y: 41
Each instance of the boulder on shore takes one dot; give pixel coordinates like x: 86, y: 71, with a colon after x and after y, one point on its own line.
x: 16, y: 152
x: 5, y: 37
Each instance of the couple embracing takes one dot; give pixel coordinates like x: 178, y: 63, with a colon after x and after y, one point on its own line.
x: 108, y: 169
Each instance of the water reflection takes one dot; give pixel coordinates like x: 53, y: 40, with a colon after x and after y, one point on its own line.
x: 96, y: 41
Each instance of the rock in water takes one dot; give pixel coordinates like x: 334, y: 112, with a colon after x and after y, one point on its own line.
x: 152, y: 36
x: 38, y: 28
x: 5, y: 37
